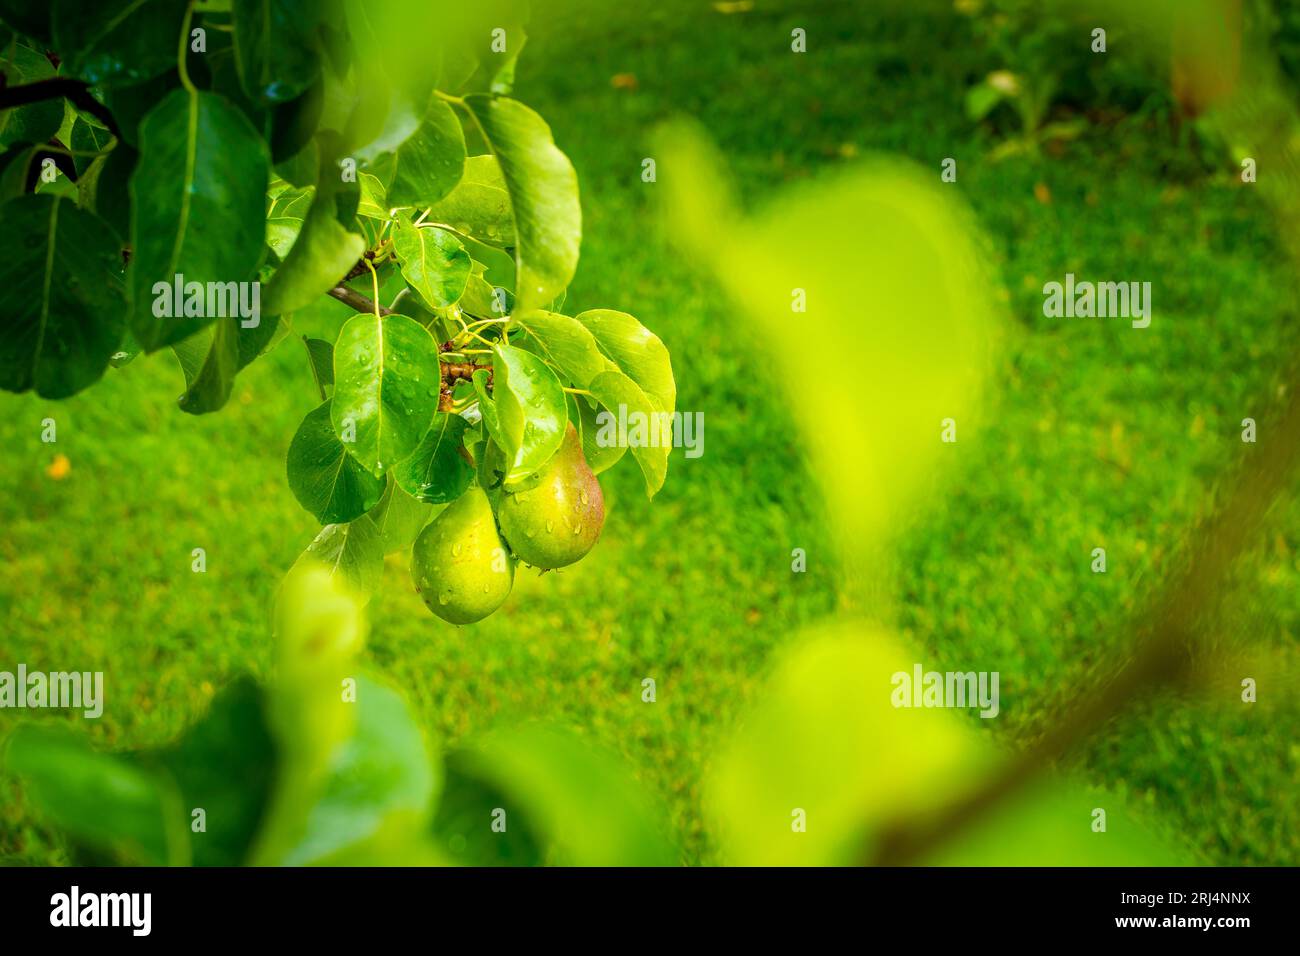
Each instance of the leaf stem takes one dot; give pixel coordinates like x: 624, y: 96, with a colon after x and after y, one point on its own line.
x: 484, y: 322
x: 374, y: 278
x: 180, y: 54
x: 471, y: 333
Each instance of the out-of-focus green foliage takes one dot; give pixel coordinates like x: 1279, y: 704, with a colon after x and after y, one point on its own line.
x: 980, y: 570
x: 897, y: 302
x: 825, y: 763
x: 326, y: 766
x: 576, y: 803
x: 893, y: 281
x: 824, y: 739
x: 1052, y: 824
x: 104, y: 801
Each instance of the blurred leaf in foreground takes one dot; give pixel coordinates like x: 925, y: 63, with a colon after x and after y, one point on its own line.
x: 826, y: 740
x: 868, y: 281
x: 1052, y: 824
x: 355, y: 769
x: 826, y: 763
x: 575, y: 805
x: 105, y: 801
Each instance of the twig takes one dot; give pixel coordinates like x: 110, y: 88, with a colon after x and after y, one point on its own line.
x: 358, y: 301
x: 1167, y: 633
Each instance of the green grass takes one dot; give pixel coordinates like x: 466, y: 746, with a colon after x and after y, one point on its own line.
x: 1099, y: 436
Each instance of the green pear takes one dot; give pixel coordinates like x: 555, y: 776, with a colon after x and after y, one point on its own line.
x: 460, y: 566
x: 556, y: 521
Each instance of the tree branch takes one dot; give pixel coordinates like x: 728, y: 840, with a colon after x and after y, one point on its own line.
x: 358, y: 301
x: 1168, y: 633
x: 1172, y: 627
x: 75, y: 90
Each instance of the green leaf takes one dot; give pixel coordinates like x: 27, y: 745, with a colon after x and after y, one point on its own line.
x: 320, y: 354
x: 59, y: 185
x: 649, y: 428
x: 622, y: 363
x: 353, y: 552
x: 281, y: 233
x: 107, y: 192
x: 226, y: 764
x: 63, y: 298
x: 530, y: 408
x: 356, y: 783
x: 197, y: 207
x: 473, y: 59
x: 636, y: 351
x: 399, y: 39
x: 497, y: 267
x: 325, y: 479
x: 35, y: 122
x: 293, y: 124
x: 275, y: 47
x: 282, y: 196
x: 565, y: 343
x: 212, y: 357
x: 209, y: 360
x: 284, y: 219
x: 434, y: 263
x: 325, y: 249
x: 479, y: 206
x: 127, y: 352
x: 883, y: 234
x: 386, y: 388
x: 503, y: 74
x: 130, y: 104
x: 600, y: 457
x: 379, y: 120
x: 825, y: 738
x: 223, y: 80
x: 1050, y: 825
x: 15, y: 167
x: 88, y: 136
x: 382, y: 776
x: 488, y: 408
x: 480, y: 298
x: 543, y: 194
x: 101, y: 799
x: 117, y: 41
x: 373, y: 199
x: 431, y: 161
x: 320, y: 628
x: 300, y: 168
x: 399, y: 518
x: 580, y: 803
x: 467, y: 800
x: 440, y: 470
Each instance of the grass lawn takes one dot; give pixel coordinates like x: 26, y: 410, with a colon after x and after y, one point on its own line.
x: 1099, y: 436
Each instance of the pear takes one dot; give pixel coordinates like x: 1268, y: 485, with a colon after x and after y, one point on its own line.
x: 460, y: 566
x: 557, y: 520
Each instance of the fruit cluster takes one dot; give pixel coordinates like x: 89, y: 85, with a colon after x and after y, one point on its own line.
x: 463, y: 562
